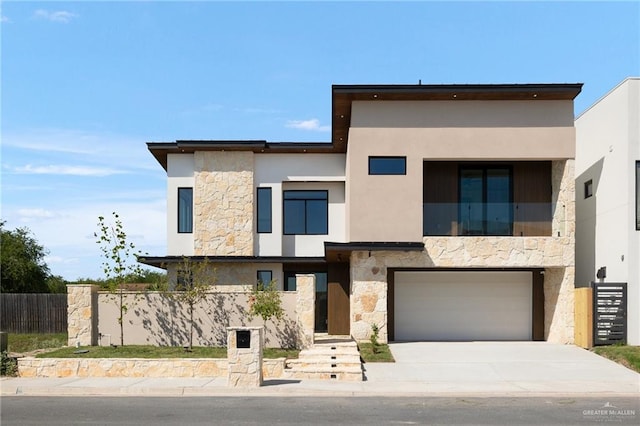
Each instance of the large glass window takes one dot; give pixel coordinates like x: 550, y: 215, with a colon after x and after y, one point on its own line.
x: 387, y: 165
x: 485, y: 201
x: 185, y: 210
x: 264, y: 210
x: 306, y: 212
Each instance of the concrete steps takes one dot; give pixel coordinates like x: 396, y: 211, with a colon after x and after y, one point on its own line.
x: 327, y: 359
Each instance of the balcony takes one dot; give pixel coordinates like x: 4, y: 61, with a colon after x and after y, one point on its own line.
x: 487, y: 219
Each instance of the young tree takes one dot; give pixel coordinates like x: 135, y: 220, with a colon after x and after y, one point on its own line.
x: 22, y: 262
x: 120, y: 261
x: 265, y: 302
x: 194, y: 281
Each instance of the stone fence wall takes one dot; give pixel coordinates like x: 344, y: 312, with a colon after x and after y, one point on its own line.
x: 153, y: 318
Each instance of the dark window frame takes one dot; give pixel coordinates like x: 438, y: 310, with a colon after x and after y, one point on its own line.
x: 402, y: 172
x: 259, y: 271
x: 484, y: 167
x: 189, y: 229
x: 588, y: 189
x: 284, y: 216
x: 638, y: 195
x: 269, y: 229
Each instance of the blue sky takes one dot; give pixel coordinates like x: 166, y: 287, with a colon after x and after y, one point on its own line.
x: 86, y: 84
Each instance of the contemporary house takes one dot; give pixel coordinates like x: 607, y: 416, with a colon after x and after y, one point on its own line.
x: 437, y: 212
x: 608, y: 195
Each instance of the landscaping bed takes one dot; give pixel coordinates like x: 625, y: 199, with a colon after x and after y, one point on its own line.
x: 381, y: 354
x: 629, y: 356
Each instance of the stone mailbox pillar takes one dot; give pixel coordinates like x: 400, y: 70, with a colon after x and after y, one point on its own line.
x: 244, y: 353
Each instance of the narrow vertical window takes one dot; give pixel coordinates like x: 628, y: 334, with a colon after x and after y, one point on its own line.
x: 588, y: 188
x: 185, y: 210
x: 638, y: 195
x: 264, y: 210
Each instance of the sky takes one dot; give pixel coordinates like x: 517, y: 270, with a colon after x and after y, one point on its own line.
x: 84, y: 86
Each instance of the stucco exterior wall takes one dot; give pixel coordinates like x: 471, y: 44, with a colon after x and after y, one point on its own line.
x: 439, y: 130
x: 155, y: 319
x: 180, y: 174
x: 223, y: 200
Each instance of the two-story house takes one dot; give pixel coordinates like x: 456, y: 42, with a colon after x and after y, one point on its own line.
x: 437, y: 212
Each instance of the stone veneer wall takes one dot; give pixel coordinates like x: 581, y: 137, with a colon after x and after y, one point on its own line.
x: 82, y: 325
x: 244, y: 364
x: 563, y: 199
x: 224, y: 276
x: 223, y: 203
x: 369, y: 275
x: 136, y: 367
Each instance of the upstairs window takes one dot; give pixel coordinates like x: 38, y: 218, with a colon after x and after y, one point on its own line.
x: 185, y: 210
x: 638, y: 195
x: 485, y: 201
x: 588, y: 189
x: 387, y: 165
x: 306, y: 212
x: 264, y: 210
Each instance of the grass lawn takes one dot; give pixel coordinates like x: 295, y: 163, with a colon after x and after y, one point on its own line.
x: 30, y: 342
x: 136, y: 351
x: 629, y: 356
x: 383, y: 354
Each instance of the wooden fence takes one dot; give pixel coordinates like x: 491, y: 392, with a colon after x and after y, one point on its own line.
x: 33, y: 313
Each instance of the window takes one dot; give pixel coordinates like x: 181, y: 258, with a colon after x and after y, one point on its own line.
x: 485, y: 201
x: 264, y: 210
x: 588, y: 188
x: 387, y: 165
x: 185, y: 210
x: 264, y: 277
x: 306, y: 213
x: 638, y: 195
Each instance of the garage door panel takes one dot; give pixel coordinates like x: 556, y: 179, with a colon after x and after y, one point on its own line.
x: 463, y: 305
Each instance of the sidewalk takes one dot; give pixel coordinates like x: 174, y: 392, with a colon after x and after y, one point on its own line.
x: 481, y: 369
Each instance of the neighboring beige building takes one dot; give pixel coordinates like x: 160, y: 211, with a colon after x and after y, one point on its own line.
x: 437, y: 212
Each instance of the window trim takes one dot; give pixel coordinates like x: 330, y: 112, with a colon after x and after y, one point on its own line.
x: 267, y: 189
x: 588, y: 189
x: 388, y: 157
x: 190, y: 231
x: 284, y: 200
x: 637, y: 195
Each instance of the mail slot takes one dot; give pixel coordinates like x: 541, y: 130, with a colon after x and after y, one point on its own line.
x: 243, y: 339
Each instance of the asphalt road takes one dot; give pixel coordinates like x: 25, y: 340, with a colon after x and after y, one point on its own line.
x: 25, y: 410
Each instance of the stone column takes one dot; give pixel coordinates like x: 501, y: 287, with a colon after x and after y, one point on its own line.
x: 305, y: 309
x: 245, y: 363
x: 82, y: 314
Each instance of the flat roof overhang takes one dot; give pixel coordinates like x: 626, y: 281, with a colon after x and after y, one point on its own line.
x: 341, y: 252
x: 163, y: 261
x: 343, y: 96
x: 160, y: 150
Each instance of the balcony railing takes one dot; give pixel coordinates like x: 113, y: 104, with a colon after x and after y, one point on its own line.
x: 502, y: 219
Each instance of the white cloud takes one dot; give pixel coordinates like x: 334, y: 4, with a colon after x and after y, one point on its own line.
x: 4, y: 19
x: 312, y: 124
x: 67, y: 170
x: 29, y: 214
x: 61, y: 16
x: 59, y: 259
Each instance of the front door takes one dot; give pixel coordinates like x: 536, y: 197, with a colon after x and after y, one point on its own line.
x: 338, y: 311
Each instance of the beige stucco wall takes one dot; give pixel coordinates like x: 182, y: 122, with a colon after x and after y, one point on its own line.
x: 155, y: 319
x: 223, y: 203
x: 439, y: 130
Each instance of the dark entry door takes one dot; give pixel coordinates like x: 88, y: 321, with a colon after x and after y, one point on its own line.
x: 338, y: 321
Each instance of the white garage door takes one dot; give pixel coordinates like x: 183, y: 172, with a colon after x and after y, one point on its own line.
x: 457, y: 306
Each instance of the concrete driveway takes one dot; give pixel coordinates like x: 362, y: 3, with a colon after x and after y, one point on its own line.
x: 502, y: 368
